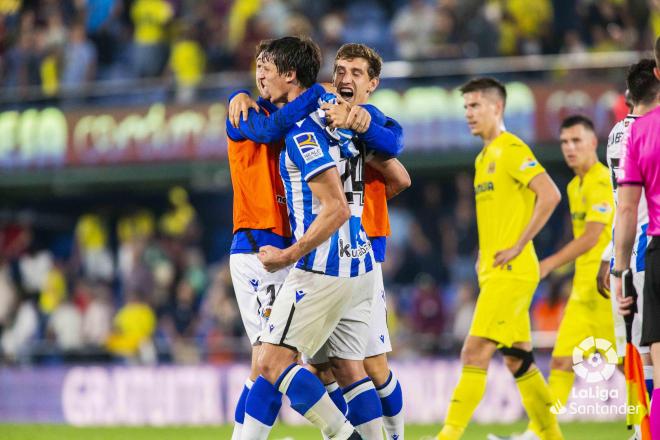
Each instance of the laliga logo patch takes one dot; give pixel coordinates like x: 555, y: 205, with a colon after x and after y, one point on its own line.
x: 600, y: 363
x: 528, y: 163
x: 603, y: 208
x: 309, y: 146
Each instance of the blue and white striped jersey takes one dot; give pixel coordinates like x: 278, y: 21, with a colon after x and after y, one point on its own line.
x: 308, y: 152
x: 616, y: 147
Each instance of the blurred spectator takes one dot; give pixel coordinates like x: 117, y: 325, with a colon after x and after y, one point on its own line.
x: 427, y: 315
x: 412, y: 26
x: 150, y: 19
x: 548, y: 311
x: 97, y: 316
x: 179, y: 221
x: 92, y: 246
x: 103, y: 27
x: 187, y: 63
x: 65, y: 327
x: 463, y: 311
x: 180, y: 323
x: 133, y: 328
x: 54, y: 291
x: 79, y: 60
x: 7, y: 296
x: 15, y: 340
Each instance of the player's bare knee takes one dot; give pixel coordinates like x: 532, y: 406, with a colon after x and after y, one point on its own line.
x: 347, y: 371
x: 273, y: 360
x: 561, y: 363
x: 512, y: 363
x: 323, y: 372
x: 377, y: 369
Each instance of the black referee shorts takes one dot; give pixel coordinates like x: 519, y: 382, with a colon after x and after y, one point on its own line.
x: 651, y: 319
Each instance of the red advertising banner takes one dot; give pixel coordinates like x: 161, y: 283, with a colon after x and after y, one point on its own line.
x: 432, y: 119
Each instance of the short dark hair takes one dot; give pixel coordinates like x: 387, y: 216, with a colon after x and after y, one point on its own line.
x: 351, y: 51
x: 487, y: 83
x: 643, y: 86
x: 574, y: 120
x: 293, y: 54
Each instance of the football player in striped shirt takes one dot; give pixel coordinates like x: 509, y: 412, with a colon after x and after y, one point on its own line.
x: 383, y: 135
x: 259, y: 215
x: 356, y: 76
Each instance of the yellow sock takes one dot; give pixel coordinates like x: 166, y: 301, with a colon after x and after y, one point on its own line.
x: 561, y: 383
x: 467, y: 395
x: 537, y: 400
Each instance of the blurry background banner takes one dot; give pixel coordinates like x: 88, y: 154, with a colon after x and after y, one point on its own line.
x: 432, y: 119
x: 205, y: 395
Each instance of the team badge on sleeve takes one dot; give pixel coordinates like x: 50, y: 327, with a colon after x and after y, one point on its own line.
x: 603, y: 208
x: 528, y: 163
x: 309, y: 147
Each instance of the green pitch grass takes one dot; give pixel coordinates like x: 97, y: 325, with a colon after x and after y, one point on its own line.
x: 572, y: 431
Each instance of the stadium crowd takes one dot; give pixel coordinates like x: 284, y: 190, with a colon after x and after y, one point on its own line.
x: 60, y: 45
x: 152, y: 283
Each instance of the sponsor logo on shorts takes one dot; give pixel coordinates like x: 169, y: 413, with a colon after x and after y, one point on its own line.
x: 382, y: 338
x: 346, y: 251
x: 270, y: 328
x: 299, y: 295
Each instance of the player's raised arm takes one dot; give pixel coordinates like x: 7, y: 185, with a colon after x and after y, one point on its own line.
x: 395, y: 174
x: 381, y: 134
x: 266, y: 128
x: 547, y: 199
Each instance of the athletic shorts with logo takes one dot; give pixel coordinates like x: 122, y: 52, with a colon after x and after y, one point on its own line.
x: 255, y: 290
x: 379, y: 336
x: 314, y: 311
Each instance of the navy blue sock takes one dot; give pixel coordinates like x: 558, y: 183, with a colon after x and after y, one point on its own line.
x: 304, y: 389
x: 263, y: 402
x: 337, y: 396
x: 239, y: 414
x: 391, y: 397
x: 363, y: 402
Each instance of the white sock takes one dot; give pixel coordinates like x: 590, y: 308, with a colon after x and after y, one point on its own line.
x: 253, y: 429
x: 238, y: 427
x: 390, y: 395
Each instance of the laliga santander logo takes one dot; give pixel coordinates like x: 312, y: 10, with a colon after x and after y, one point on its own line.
x: 600, y: 363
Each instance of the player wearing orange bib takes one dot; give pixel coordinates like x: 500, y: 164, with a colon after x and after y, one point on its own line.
x: 260, y: 214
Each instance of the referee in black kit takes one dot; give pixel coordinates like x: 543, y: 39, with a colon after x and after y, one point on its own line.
x: 641, y: 170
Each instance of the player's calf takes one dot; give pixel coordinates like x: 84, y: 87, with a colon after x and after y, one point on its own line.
x: 390, y: 394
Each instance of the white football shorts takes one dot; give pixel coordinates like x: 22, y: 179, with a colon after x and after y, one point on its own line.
x: 315, y: 310
x: 255, y: 290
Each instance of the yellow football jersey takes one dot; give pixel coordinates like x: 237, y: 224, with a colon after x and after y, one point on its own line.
x: 591, y: 200
x: 505, y: 204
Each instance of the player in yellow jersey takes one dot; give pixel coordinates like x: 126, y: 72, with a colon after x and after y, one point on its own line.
x: 591, y: 202
x: 514, y: 197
